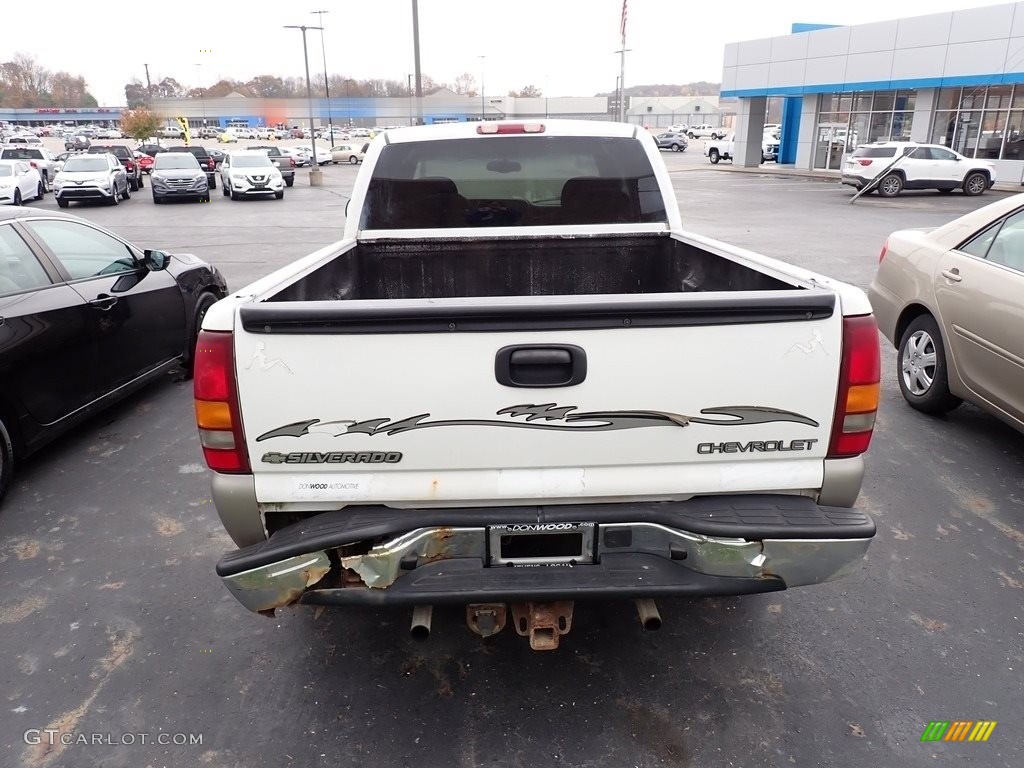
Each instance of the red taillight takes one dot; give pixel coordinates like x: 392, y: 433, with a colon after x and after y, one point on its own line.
x: 885, y: 250
x: 857, y: 399
x: 33, y: 164
x: 505, y: 128
x: 292, y: 160
x: 216, y: 404
x: 865, y: 161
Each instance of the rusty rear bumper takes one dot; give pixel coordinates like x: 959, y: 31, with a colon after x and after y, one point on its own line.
x: 724, y: 545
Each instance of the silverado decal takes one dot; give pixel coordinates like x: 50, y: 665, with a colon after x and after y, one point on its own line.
x: 541, y: 417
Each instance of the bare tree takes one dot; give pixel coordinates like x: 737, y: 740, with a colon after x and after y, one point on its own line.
x: 465, y: 85
x: 527, y: 92
x: 24, y: 83
x: 267, y: 87
x: 135, y: 94
x: 168, y: 88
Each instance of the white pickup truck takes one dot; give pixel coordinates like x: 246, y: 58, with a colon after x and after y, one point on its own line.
x: 517, y: 382
x: 705, y: 131
x: 723, y: 149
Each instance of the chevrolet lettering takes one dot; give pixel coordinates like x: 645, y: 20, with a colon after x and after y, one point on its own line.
x: 757, y: 446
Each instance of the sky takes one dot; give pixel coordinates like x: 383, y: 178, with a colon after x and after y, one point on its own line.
x: 564, y: 47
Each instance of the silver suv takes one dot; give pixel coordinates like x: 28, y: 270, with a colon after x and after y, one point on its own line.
x: 91, y: 177
x: 677, y: 142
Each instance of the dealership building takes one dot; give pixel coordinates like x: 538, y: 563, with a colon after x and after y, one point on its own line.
x: 955, y: 79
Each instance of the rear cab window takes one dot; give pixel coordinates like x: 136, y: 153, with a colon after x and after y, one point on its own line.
x: 512, y: 181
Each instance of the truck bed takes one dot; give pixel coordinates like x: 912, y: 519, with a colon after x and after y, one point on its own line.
x: 524, y: 266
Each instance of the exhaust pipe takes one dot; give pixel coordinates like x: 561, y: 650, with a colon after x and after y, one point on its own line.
x: 649, y: 616
x: 420, y: 628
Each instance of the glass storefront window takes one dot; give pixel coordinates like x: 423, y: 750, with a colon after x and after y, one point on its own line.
x: 829, y: 103
x: 995, y: 132
x: 901, y: 122
x: 990, y: 140
x: 968, y: 125
x: 881, y: 123
x: 998, y: 97
x: 973, y: 98
x: 858, y: 131
x: 944, y: 128
x: 905, y: 100
x: 847, y: 121
x: 883, y: 101
x: 1013, y: 149
x: 949, y: 98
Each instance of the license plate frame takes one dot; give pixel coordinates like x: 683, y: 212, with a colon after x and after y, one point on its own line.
x: 539, y: 544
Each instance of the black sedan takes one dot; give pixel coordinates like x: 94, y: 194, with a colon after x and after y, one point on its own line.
x: 217, y: 155
x: 86, y: 318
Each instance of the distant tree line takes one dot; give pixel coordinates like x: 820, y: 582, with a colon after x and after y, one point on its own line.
x: 24, y: 83
x: 275, y: 87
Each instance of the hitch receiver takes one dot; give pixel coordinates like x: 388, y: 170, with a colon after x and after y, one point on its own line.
x: 543, y: 623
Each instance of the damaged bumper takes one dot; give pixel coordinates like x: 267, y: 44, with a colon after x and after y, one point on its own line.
x: 711, y: 546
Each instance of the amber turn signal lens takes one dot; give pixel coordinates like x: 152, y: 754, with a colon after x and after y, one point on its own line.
x: 213, y: 415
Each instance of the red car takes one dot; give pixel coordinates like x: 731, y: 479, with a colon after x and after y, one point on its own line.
x: 145, y: 162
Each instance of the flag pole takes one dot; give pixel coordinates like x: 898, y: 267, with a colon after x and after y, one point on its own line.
x: 622, y: 66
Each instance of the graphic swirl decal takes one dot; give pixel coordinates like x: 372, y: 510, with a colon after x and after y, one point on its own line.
x: 549, y: 416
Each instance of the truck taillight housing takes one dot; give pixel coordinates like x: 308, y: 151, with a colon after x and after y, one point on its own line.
x: 859, y: 376
x: 509, y: 128
x: 216, y: 402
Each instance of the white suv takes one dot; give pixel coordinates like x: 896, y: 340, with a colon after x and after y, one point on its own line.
x: 919, y: 166
x: 244, y: 174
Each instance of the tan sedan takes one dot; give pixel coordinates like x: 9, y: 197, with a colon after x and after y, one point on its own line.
x: 348, y: 153
x: 952, y: 302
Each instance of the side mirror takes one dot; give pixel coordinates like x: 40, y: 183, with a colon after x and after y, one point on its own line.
x: 155, y: 261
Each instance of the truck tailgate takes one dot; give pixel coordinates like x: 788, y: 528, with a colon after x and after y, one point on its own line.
x: 360, y: 402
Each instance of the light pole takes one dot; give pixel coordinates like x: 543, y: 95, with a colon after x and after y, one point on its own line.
x: 409, y: 88
x: 327, y: 85
x: 622, y: 80
x: 316, y: 177
x: 483, y: 108
x: 202, y: 90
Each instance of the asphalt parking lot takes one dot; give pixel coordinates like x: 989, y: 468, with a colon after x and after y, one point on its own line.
x: 112, y: 620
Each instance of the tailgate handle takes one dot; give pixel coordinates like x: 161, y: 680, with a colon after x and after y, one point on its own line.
x: 540, y: 365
